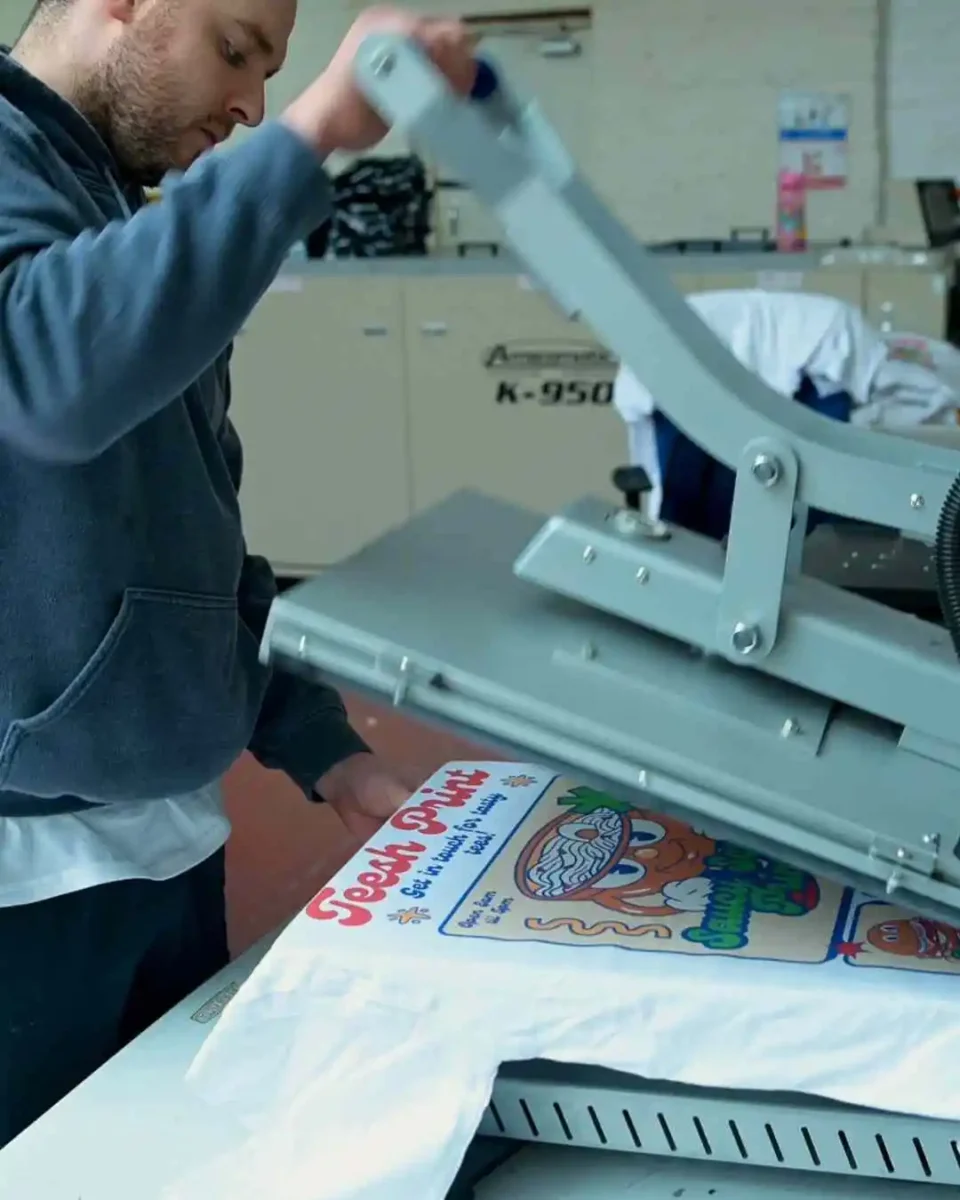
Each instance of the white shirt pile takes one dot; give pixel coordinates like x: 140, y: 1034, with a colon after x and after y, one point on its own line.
x: 505, y: 914
x: 784, y: 336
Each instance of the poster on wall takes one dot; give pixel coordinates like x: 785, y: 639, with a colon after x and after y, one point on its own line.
x: 814, y: 135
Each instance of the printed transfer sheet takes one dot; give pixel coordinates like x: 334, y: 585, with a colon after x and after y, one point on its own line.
x: 506, y: 913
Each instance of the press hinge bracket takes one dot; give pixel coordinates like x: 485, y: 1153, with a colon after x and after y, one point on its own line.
x: 906, y: 859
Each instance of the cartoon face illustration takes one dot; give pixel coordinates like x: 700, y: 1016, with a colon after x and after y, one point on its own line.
x: 915, y: 937
x: 623, y: 858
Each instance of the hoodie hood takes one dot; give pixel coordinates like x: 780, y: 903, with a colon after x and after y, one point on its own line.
x: 69, y: 133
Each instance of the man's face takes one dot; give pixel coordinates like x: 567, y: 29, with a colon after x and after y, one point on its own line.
x: 180, y: 75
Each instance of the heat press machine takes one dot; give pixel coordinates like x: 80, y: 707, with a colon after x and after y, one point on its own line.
x: 720, y: 684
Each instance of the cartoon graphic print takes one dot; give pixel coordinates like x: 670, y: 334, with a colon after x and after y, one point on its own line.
x: 619, y: 857
x: 665, y: 886
x: 915, y: 937
x: 410, y: 916
x: 883, y: 936
x: 642, y: 863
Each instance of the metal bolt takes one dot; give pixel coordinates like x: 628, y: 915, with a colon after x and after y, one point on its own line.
x: 589, y: 554
x: 916, y: 500
x: 902, y: 854
x: 790, y: 728
x: 896, y: 878
x: 643, y: 575
x: 931, y: 839
x: 384, y: 63
x: 746, y: 638
x: 766, y: 470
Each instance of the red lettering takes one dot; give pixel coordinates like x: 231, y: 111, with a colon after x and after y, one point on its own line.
x: 458, y: 793
x: 422, y: 819
x: 460, y: 786
x: 473, y: 779
x: 385, y: 869
x: 344, y: 914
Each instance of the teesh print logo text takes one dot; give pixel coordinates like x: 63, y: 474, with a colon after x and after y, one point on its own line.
x: 458, y: 788
x: 384, y: 869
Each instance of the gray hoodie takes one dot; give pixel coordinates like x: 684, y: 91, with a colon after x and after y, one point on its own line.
x: 131, y: 610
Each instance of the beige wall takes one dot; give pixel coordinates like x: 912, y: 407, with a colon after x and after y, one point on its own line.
x: 679, y: 124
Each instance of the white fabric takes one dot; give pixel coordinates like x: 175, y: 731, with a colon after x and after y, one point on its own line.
x: 42, y: 857
x: 919, y: 382
x: 905, y: 395
x: 782, y: 336
x: 361, y: 1053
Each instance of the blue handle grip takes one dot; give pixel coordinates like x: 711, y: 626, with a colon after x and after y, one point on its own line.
x: 486, y: 82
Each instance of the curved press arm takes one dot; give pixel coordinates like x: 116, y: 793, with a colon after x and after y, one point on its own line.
x: 508, y: 154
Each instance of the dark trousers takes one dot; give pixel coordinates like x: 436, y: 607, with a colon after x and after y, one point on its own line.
x: 83, y: 974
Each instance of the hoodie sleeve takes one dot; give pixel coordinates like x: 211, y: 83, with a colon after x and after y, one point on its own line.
x: 101, y: 328
x: 303, y: 728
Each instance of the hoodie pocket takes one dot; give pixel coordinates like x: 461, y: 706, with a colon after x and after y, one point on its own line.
x: 164, y: 705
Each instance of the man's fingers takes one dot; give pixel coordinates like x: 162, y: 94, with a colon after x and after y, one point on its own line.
x: 450, y: 47
x: 389, y: 795
x: 447, y: 41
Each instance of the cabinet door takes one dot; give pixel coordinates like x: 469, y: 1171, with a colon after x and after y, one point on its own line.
x: 687, y: 285
x: 507, y: 396
x: 904, y: 301
x: 320, y: 403
x: 841, y: 285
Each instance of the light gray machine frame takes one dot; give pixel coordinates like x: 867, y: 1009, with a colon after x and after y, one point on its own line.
x: 727, y: 687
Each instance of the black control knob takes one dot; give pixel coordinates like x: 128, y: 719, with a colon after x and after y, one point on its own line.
x: 633, y: 483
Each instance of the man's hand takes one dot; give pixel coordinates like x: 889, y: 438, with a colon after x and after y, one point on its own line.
x: 364, y: 793
x: 333, y: 114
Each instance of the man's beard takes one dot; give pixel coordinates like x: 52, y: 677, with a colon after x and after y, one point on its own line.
x: 136, y: 108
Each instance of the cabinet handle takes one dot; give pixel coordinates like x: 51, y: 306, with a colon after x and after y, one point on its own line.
x: 375, y: 331
x: 433, y: 328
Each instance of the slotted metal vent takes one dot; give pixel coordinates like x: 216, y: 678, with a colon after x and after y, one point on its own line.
x: 581, y: 1107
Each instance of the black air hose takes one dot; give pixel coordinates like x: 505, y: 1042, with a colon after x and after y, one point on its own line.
x: 947, y: 558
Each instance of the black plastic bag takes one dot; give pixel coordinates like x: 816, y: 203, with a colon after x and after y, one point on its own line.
x: 381, y: 209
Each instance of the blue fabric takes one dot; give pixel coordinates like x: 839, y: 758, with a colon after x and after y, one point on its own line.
x: 698, y: 490
x: 132, y: 612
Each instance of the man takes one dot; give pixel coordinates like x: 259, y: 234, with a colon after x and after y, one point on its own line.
x: 129, y: 677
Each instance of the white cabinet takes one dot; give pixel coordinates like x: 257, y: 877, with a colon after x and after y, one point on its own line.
x: 846, y: 285
x: 506, y: 395
x: 319, y: 400
x: 905, y: 301
x: 364, y: 398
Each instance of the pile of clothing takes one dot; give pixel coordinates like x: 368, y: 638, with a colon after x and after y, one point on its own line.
x: 816, y: 349
x: 381, y: 209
